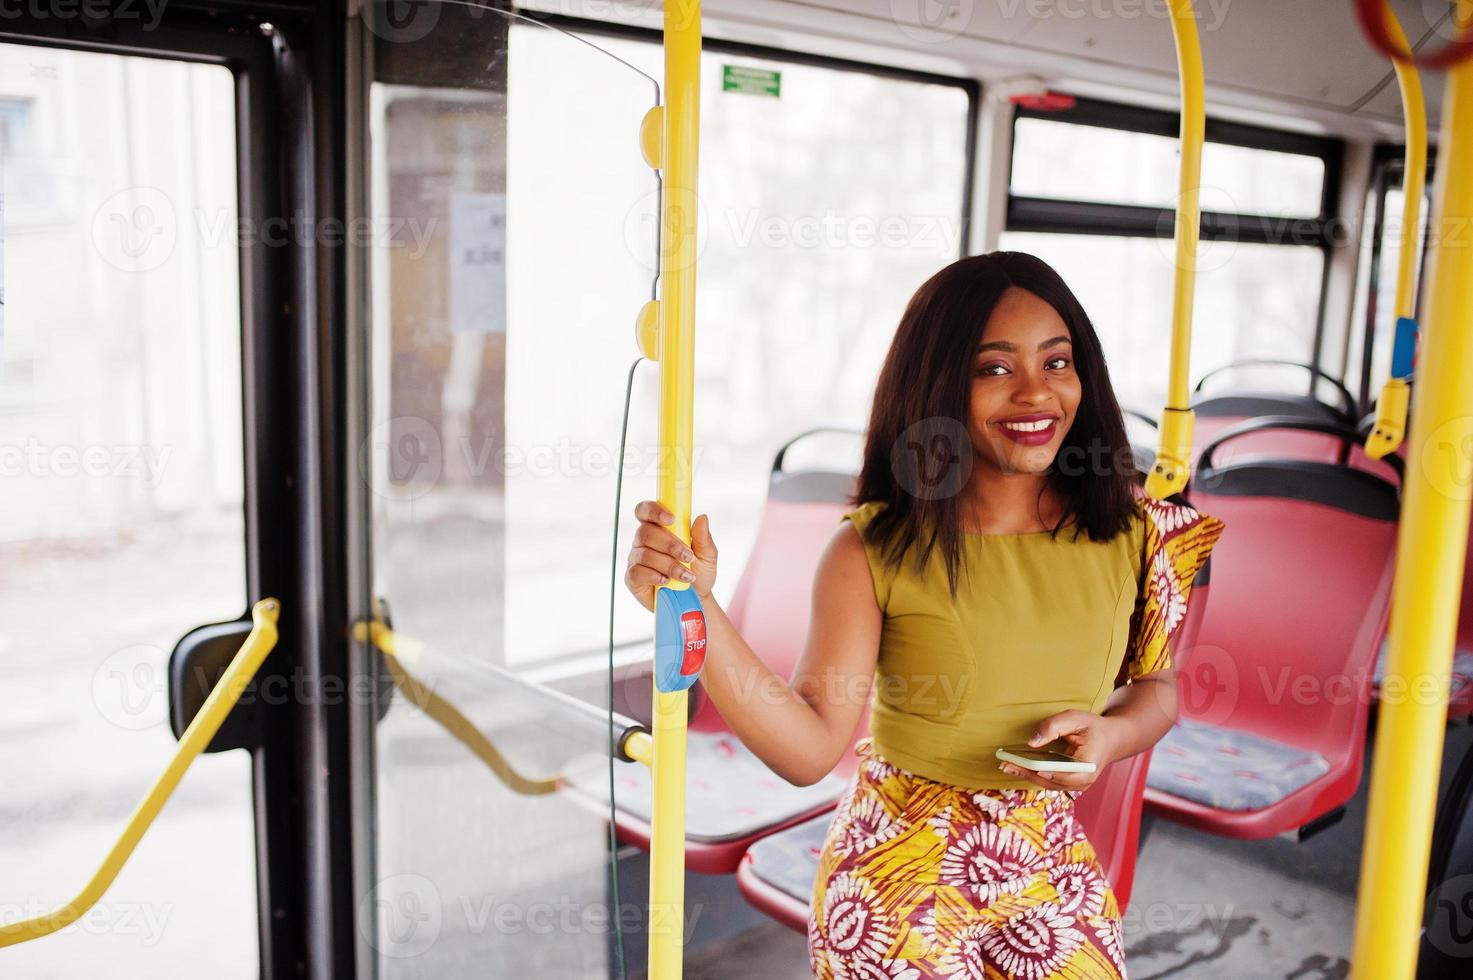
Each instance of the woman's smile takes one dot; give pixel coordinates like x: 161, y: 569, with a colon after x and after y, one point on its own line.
x: 1037, y: 429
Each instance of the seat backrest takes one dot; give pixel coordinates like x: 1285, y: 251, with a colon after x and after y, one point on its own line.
x: 1110, y: 810
x: 1301, y: 592
x: 1214, y: 415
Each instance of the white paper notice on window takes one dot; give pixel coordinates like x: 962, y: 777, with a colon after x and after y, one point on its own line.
x: 477, y: 262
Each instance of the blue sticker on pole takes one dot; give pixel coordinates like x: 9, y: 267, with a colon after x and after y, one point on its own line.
x: 680, y: 639
x: 1404, y: 347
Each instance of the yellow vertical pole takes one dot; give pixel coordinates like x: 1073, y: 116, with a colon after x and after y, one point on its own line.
x: 1173, y: 455
x: 1391, y: 407
x: 1429, y: 571
x: 1415, y: 176
x: 676, y: 346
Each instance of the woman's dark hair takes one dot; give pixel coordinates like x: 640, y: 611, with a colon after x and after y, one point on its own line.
x: 917, y: 448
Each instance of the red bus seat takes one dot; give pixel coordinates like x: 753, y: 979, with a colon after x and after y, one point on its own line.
x: 1275, y: 695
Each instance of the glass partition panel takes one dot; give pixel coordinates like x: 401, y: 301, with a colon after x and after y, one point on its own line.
x: 519, y: 242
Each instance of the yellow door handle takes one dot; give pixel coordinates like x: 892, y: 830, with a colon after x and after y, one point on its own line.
x: 422, y: 696
x: 197, y: 736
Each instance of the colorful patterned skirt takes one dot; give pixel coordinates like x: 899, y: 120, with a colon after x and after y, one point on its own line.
x: 923, y: 879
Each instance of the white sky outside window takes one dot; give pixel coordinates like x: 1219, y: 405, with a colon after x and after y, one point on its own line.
x: 1071, y: 162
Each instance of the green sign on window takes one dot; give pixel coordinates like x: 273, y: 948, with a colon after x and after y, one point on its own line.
x: 753, y: 81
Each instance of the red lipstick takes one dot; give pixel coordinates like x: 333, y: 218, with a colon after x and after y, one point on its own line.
x: 1031, y: 436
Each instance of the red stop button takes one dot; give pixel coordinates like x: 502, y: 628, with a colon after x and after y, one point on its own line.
x: 693, y: 629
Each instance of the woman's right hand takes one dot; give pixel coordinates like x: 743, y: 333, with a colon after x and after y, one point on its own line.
x: 657, y: 553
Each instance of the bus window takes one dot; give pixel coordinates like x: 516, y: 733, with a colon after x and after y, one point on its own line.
x: 123, y: 524
x: 1095, y: 198
x: 1074, y: 162
x: 1253, y: 301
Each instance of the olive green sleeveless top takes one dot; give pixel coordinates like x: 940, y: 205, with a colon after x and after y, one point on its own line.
x: 1041, y: 625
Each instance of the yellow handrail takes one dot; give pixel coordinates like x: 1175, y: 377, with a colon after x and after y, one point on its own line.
x: 196, y: 738
x: 1174, y: 452
x: 422, y: 696
x: 675, y: 345
x: 1431, y: 541
x: 1391, y: 407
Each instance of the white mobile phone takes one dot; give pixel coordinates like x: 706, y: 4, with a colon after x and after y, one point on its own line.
x: 1042, y: 760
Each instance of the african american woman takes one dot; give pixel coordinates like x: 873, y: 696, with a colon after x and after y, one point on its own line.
x: 1001, y: 579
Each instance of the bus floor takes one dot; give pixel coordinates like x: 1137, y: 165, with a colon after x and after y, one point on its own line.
x: 1202, y: 906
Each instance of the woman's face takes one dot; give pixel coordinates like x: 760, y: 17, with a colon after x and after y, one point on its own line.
x: 1025, y: 391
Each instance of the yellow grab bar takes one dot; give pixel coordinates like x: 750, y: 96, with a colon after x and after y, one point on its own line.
x: 197, y: 736
x: 1430, y: 546
x: 442, y: 711
x: 1174, y: 452
x: 1391, y: 407
x: 675, y: 352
